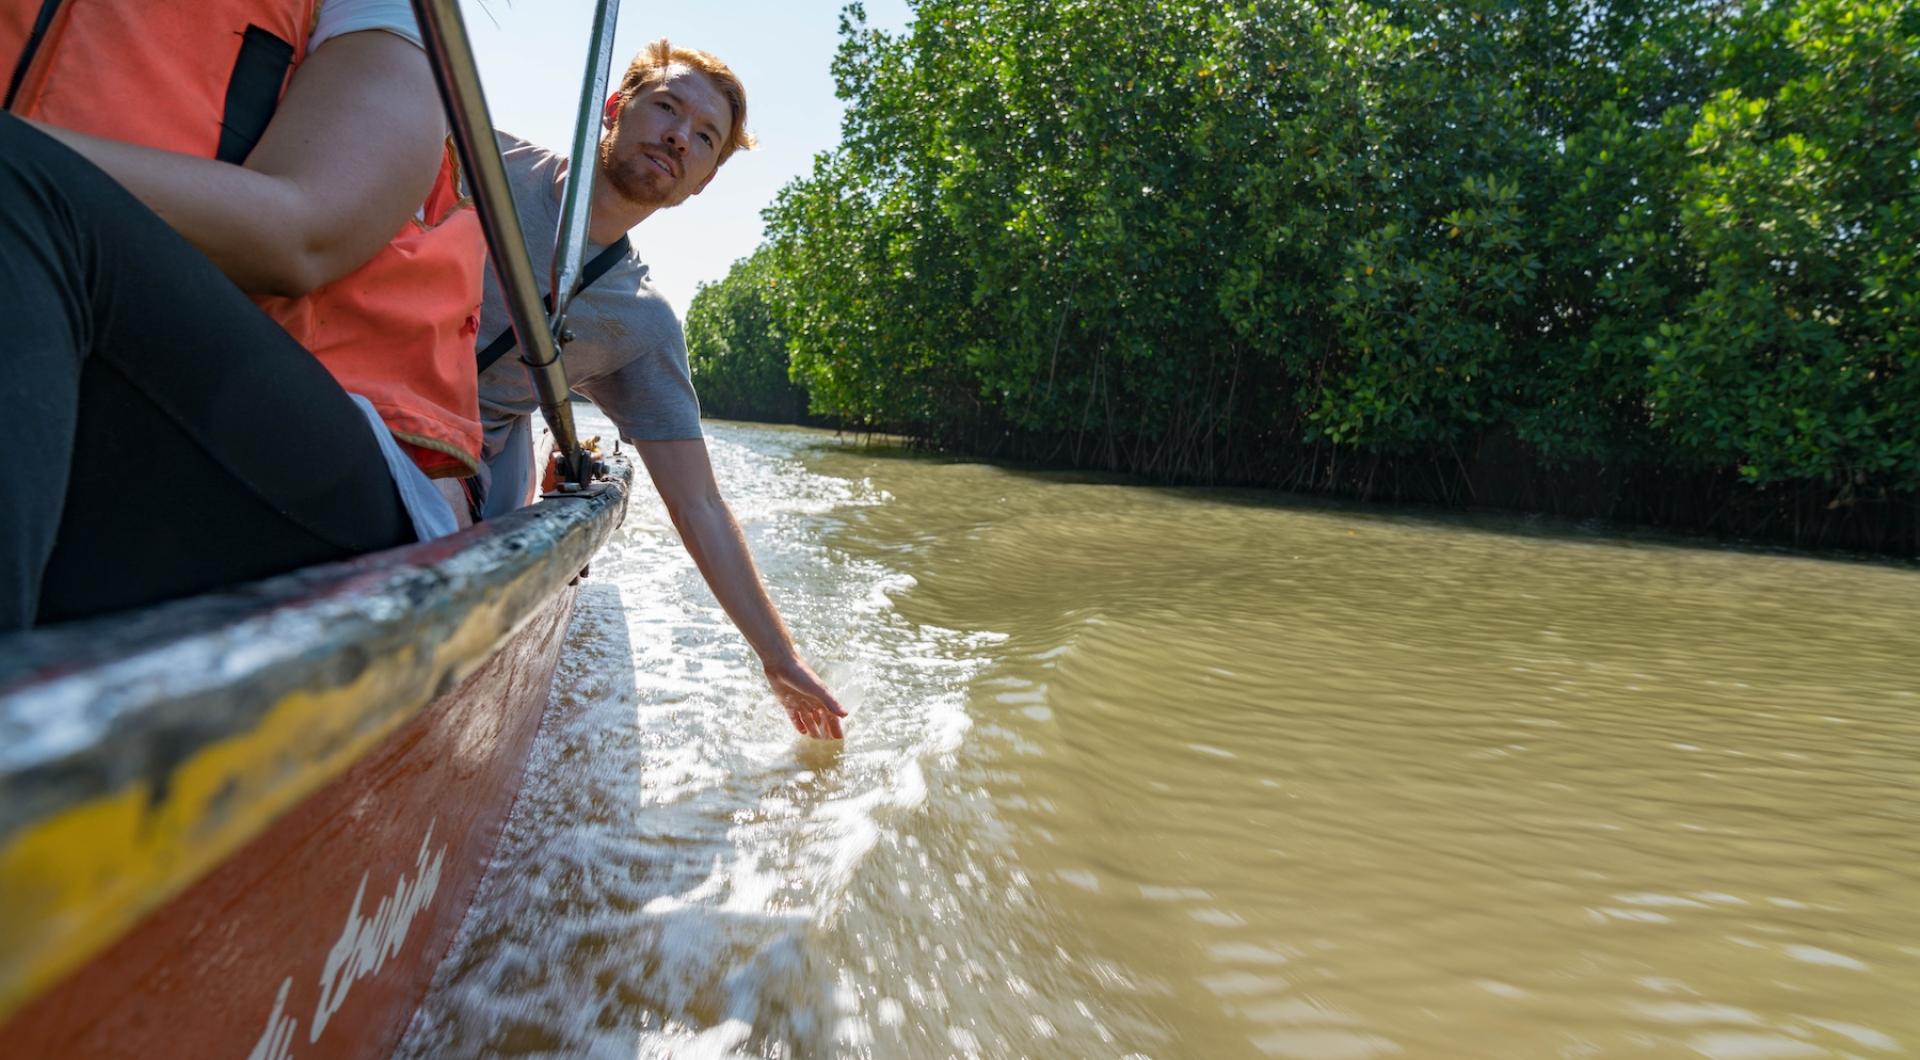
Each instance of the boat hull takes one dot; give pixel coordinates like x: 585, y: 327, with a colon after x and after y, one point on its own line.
x: 250, y: 824
x: 318, y: 938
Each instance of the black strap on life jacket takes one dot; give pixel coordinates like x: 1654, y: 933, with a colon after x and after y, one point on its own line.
x: 39, y: 33
x: 505, y: 341
x: 253, y: 93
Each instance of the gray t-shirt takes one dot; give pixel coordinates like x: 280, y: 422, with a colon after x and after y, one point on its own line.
x: 628, y: 355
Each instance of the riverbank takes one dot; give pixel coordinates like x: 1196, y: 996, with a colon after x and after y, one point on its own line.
x: 1654, y: 264
x: 1497, y: 476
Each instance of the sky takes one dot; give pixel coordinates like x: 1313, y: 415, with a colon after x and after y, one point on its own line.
x: 532, y: 56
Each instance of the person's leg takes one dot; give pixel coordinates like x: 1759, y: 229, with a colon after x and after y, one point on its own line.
x: 43, y: 324
x: 193, y: 443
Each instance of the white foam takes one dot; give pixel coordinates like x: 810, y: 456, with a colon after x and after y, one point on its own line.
x: 1816, y: 955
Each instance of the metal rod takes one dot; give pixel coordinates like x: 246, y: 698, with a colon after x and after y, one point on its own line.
x: 570, y: 249
x: 445, y: 35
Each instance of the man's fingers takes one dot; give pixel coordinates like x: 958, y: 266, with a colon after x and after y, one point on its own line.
x: 812, y: 708
x: 826, y: 700
x: 818, y: 693
x: 829, y: 725
x: 804, y: 720
x: 829, y: 721
x: 815, y: 721
x: 813, y: 712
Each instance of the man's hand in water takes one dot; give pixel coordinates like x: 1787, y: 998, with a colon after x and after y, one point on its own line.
x: 812, y: 709
x: 682, y: 472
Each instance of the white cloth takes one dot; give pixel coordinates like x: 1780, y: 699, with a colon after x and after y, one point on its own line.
x: 425, y: 506
x: 340, y: 17
x: 509, y: 473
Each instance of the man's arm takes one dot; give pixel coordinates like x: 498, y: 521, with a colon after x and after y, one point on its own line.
x: 683, y: 475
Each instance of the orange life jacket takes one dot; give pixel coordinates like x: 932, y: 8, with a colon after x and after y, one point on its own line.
x: 202, y: 78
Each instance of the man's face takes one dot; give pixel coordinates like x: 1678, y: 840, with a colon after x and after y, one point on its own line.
x: 663, y: 146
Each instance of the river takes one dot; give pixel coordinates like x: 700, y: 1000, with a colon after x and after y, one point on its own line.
x: 1188, y: 773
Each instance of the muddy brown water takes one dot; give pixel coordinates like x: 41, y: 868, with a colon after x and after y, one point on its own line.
x: 1188, y: 773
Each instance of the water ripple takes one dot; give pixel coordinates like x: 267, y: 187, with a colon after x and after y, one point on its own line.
x: 1185, y: 773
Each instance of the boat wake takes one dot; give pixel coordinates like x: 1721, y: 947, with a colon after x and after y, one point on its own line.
x: 678, y: 859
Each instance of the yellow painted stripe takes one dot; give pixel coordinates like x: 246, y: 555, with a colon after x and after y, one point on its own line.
x: 76, y: 881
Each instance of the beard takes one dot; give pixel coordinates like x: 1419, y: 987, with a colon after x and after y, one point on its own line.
x: 634, y: 178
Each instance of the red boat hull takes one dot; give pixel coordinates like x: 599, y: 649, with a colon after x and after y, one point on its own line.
x: 319, y: 936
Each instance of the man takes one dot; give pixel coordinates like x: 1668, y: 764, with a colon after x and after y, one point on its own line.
x: 677, y: 115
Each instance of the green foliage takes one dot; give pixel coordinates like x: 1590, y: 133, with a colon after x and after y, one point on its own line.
x: 1798, y: 355
x: 737, y: 350
x: 1203, y: 238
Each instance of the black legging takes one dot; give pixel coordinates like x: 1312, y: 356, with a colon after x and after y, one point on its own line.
x: 159, y: 435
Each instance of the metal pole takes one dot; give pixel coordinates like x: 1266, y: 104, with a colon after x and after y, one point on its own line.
x: 445, y: 35
x: 570, y: 249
